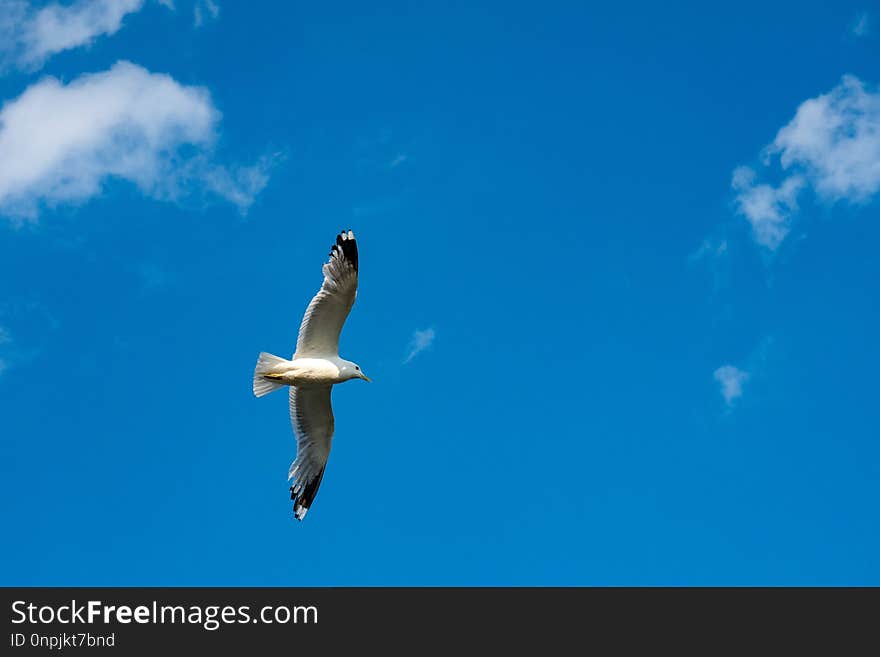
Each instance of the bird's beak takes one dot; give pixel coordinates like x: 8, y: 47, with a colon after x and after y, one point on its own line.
x: 366, y: 378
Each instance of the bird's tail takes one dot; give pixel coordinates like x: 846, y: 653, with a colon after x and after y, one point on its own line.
x: 266, y: 365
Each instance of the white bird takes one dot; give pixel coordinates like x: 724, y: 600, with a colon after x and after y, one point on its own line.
x: 314, y: 369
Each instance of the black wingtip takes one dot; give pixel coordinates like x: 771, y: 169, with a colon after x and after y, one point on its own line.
x: 346, y: 244
x: 303, y: 501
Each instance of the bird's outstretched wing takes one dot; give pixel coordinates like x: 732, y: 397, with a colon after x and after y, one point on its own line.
x: 322, y: 323
x: 312, y: 419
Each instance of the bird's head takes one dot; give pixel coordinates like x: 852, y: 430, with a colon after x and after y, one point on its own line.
x: 353, y: 371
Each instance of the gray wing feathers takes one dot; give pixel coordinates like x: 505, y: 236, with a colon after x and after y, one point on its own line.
x: 328, y: 310
x: 312, y: 418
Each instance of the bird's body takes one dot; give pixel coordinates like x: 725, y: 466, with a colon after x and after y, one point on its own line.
x: 303, y: 372
x: 313, y: 371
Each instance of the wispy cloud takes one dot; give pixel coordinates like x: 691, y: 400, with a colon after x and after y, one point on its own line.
x: 60, y: 143
x: 32, y: 323
x: 398, y: 159
x: 731, y: 380
x: 205, y: 10
x: 712, y: 254
x: 5, y: 341
x: 30, y: 35
x: 861, y: 25
x: 420, y: 341
x: 768, y: 209
x: 832, y: 146
x: 709, y: 248
x: 381, y: 153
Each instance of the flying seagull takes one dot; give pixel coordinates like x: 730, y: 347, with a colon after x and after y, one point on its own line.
x: 314, y: 369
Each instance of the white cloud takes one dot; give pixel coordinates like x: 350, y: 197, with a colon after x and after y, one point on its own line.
x: 204, y: 10
x: 861, y: 26
x: 835, y: 139
x: 832, y: 146
x: 237, y: 184
x: 731, y: 380
x: 60, y: 143
x: 766, y: 208
x: 29, y: 36
x: 420, y: 341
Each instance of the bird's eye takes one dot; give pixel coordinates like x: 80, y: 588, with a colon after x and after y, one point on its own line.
x: 357, y: 368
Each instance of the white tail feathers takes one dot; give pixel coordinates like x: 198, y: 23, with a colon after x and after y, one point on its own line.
x: 266, y: 364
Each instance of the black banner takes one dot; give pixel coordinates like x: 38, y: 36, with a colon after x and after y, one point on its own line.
x: 153, y: 620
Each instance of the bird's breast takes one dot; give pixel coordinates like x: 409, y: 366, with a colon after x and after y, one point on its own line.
x: 313, y: 371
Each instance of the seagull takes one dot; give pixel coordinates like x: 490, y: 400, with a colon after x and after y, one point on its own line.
x: 313, y: 371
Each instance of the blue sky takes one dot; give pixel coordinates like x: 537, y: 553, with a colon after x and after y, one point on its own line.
x: 618, y: 291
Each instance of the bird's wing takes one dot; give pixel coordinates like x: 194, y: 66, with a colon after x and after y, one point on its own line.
x: 312, y: 419
x: 322, y: 323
